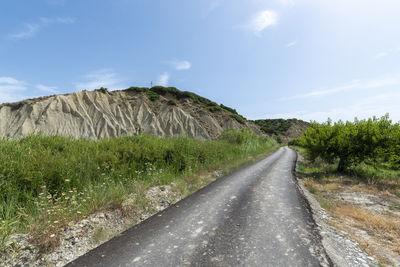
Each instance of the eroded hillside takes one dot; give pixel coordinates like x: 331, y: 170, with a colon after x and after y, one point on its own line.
x: 101, y: 113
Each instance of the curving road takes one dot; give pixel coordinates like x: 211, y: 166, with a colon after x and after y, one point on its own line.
x: 255, y: 216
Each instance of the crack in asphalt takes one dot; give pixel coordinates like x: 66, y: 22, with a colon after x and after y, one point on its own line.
x: 255, y: 216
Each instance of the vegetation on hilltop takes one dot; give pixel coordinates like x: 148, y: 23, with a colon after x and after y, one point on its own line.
x: 279, y: 126
x: 154, y: 92
x: 48, y: 181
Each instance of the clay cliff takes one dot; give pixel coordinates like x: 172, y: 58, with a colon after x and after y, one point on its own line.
x: 101, y: 113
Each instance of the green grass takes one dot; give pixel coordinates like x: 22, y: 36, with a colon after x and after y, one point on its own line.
x: 362, y: 172
x: 47, y: 182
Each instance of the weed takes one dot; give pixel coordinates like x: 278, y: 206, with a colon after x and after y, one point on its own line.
x: 47, y: 182
x: 100, y: 234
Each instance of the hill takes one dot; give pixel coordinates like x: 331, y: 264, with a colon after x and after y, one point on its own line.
x: 286, y: 130
x: 160, y: 111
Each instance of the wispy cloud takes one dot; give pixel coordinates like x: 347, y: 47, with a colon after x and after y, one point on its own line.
x: 12, y: 89
x: 375, y: 105
x: 287, y: 3
x: 356, y: 84
x: 381, y: 55
x: 163, y: 79
x: 100, y: 78
x: 262, y: 20
x: 389, y: 52
x: 31, y: 29
x: 48, y: 89
x: 180, y: 64
x: 291, y: 44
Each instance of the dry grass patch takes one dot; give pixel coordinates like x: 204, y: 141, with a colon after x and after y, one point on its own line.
x: 379, y: 225
x: 379, y: 234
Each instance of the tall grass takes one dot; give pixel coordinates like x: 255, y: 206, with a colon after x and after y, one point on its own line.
x: 48, y: 181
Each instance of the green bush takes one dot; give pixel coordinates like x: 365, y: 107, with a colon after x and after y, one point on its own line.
x: 239, y: 118
x: 102, y: 89
x: 153, y: 96
x: 373, y: 141
x: 231, y: 110
x: 172, y: 102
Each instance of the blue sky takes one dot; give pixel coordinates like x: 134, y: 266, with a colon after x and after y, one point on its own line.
x: 310, y: 59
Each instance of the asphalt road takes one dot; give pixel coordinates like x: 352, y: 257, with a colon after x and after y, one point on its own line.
x: 255, y: 216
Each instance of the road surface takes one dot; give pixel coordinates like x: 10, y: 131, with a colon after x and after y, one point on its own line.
x: 255, y: 216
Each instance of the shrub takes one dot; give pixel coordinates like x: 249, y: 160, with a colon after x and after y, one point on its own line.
x: 102, y: 90
x: 239, y: 118
x: 172, y: 102
x: 231, y: 110
x: 153, y: 96
x: 371, y: 140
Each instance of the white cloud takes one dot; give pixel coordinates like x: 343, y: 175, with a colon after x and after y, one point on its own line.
x: 263, y: 20
x: 163, y: 79
x: 287, y: 3
x: 31, y: 29
x: 376, y: 105
x: 48, y: 89
x: 180, y: 64
x: 381, y: 55
x: 389, y: 52
x: 291, y: 44
x: 12, y: 89
x: 101, y: 78
x: 356, y: 84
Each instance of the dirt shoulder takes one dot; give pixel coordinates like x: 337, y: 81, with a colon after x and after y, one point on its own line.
x: 359, y: 223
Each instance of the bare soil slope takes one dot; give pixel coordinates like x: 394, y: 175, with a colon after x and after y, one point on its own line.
x: 101, y: 114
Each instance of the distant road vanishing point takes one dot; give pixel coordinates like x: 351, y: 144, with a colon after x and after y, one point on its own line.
x: 255, y: 216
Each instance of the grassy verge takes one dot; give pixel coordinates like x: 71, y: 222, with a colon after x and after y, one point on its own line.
x: 47, y: 182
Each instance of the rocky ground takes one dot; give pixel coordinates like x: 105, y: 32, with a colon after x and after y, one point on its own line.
x: 359, y: 224
x: 342, y: 250
x: 79, y: 238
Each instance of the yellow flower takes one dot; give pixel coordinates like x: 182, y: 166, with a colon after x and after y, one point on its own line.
x: 83, y: 200
x: 49, y: 197
x: 43, y: 187
x: 67, y: 180
x: 63, y: 194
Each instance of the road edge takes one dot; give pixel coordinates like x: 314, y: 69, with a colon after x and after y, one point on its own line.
x: 335, y: 242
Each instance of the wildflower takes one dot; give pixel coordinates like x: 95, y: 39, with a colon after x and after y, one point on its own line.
x: 49, y: 197
x: 79, y: 212
x: 63, y: 194
x: 83, y: 200
x: 70, y: 191
x: 55, y: 222
x: 43, y: 187
x: 74, y: 202
x: 67, y: 180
